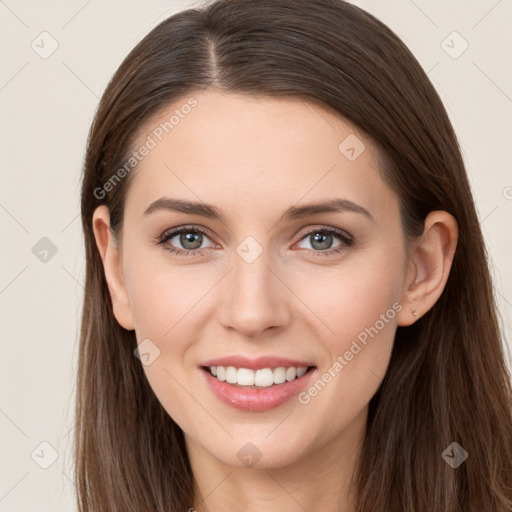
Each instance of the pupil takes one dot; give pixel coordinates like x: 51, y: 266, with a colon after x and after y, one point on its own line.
x: 188, y: 237
x: 319, y: 236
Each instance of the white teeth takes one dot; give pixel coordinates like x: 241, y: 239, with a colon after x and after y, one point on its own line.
x: 265, y: 377
x: 279, y: 375
x: 221, y: 373
x: 231, y: 374
x: 245, y: 377
x: 301, y: 372
x: 291, y: 373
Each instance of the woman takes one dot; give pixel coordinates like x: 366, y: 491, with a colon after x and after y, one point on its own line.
x: 225, y: 365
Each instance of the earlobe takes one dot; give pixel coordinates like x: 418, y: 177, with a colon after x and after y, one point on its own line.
x: 112, y: 266
x: 429, y: 266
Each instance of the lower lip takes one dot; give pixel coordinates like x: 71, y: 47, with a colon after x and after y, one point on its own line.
x: 253, y: 399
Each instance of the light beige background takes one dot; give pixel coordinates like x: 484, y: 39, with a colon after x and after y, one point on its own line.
x: 47, y: 106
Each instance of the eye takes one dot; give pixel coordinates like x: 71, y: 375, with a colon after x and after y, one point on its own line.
x: 192, y: 238
x: 321, y: 241
x: 189, y: 238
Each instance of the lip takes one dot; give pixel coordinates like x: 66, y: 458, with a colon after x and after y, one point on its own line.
x: 256, y: 363
x: 256, y: 399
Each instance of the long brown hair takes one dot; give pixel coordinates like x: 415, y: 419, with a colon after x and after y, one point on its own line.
x: 447, y: 380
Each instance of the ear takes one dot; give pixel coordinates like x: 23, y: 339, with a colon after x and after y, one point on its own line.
x: 112, y: 265
x: 430, y: 262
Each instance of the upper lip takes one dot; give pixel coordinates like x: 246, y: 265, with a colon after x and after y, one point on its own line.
x: 256, y: 363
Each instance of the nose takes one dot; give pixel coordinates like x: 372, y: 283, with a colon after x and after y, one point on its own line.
x: 257, y: 298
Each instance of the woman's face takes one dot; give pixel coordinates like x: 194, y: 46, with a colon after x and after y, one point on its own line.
x: 271, y: 282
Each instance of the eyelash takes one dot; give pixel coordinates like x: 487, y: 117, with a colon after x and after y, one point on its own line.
x: 347, y: 241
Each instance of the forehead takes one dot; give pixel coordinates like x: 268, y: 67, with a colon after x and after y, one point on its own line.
x: 253, y: 152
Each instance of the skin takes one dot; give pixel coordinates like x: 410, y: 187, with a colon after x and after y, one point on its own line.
x: 246, y: 156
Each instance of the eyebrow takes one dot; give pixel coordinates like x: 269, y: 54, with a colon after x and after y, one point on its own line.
x: 294, y: 212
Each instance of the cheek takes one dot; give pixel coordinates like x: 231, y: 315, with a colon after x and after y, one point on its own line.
x: 164, y: 304
x: 165, y: 298
x: 355, y: 321
x: 347, y: 299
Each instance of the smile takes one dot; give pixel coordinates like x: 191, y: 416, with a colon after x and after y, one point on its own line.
x: 256, y: 384
x: 260, y: 378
